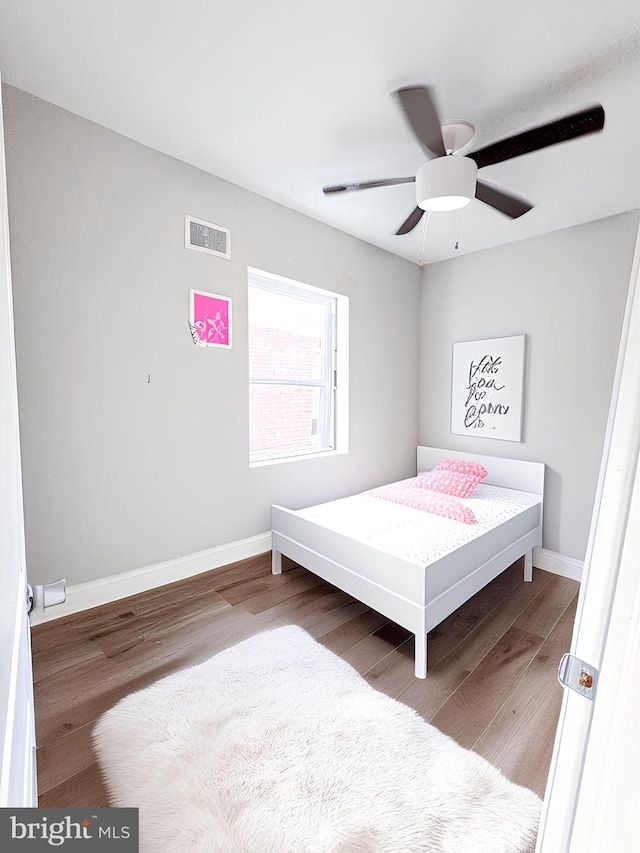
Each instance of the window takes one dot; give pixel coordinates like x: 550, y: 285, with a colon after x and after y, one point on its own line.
x: 297, y: 351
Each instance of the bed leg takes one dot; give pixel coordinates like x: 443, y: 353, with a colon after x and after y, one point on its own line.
x: 528, y: 566
x: 276, y: 563
x: 421, y: 656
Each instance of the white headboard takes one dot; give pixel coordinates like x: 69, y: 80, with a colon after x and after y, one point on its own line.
x: 510, y: 473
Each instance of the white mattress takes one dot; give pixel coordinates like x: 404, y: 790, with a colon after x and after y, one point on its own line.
x: 412, y: 534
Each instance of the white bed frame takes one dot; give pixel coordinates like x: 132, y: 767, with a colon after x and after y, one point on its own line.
x: 417, y: 597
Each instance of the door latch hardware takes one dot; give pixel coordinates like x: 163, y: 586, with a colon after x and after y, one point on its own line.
x: 578, y: 675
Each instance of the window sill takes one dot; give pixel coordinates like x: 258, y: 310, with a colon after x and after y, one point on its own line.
x: 300, y: 457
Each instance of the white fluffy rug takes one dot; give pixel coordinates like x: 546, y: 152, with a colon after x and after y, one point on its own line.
x: 278, y: 746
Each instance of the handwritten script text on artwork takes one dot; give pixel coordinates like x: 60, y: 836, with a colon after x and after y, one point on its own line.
x: 483, y: 380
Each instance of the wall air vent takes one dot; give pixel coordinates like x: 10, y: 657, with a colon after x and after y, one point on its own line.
x: 206, y: 237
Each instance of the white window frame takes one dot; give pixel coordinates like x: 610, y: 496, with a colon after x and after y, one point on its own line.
x: 335, y: 399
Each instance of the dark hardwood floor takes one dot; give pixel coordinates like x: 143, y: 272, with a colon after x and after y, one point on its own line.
x: 491, y: 683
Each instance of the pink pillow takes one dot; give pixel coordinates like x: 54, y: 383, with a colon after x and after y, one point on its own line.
x: 409, y: 494
x: 457, y: 477
x: 463, y: 466
x: 448, y: 482
x: 448, y: 507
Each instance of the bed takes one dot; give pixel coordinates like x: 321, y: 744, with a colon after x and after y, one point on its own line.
x: 414, y: 567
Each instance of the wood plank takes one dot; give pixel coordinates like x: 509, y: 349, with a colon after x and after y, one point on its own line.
x: 469, y: 710
x: 158, y: 603
x: 73, y: 752
x: 60, y: 650
x: 451, y: 631
x: 254, y: 567
x: 375, y: 646
x: 548, y: 606
x: 130, y: 627
x: 85, y: 789
x: 369, y: 652
x: 247, y: 590
x: 281, y: 591
x: 395, y: 674
x: 309, y: 605
x: 192, y: 637
x: 345, y: 636
x: 520, y: 737
x: 63, y: 704
x: 116, y: 639
x: 319, y: 625
x: 242, y: 570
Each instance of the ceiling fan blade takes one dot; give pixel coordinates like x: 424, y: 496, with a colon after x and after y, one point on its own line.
x: 410, y: 222
x: 367, y: 185
x: 579, y: 124
x: 503, y: 201
x: 419, y: 108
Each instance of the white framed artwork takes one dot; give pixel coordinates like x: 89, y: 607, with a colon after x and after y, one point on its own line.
x: 487, y: 384
x: 210, y: 319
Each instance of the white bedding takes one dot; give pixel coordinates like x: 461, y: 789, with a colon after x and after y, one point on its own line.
x: 412, y: 534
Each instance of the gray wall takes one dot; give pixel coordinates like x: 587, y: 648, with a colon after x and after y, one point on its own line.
x: 122, y: 471
x: 566, y: 291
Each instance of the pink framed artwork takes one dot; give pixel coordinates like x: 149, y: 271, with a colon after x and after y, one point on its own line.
x: 210, y: 319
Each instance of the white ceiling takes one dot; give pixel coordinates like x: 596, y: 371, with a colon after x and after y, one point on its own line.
x: 284, y: 97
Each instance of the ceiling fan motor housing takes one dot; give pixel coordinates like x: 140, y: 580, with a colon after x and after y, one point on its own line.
x: 446, y: 183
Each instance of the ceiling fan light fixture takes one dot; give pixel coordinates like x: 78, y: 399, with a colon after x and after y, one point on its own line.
x: 446, y: 183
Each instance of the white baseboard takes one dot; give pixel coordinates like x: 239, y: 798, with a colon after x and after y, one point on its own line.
x: 83, y: 596
x: 103, y: 590
x: 551, y: 561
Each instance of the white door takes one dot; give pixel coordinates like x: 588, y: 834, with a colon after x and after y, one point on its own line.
x: 17, y: 734
x: 591, y: 803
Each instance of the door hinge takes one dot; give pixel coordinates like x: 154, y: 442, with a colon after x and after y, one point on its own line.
x: 578, y: 675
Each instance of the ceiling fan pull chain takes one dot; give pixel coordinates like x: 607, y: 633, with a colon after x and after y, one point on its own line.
x: 457, y: 228
x: 424, y: 237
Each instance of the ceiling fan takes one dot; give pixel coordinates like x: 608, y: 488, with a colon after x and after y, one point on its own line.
x: 448, y: 180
